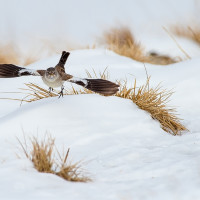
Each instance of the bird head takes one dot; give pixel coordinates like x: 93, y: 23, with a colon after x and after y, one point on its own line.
x: 51, y: 73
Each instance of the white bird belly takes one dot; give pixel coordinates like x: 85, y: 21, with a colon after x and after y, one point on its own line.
x: 53, y: 83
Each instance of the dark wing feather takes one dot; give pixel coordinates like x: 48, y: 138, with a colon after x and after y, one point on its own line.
x: 11, y: 71
x: 97, y: 85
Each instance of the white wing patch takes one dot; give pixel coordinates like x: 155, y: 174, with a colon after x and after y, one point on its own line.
x: 76, y: 80
x: 29, y: 71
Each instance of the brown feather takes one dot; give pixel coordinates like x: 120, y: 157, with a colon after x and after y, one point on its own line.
x: 41, y: 72
x: 66, y: 77
x: 97, y: 85
x: 11, y: 71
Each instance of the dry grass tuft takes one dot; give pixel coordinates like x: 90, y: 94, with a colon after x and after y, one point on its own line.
x: 122, y: 42
x: 192, y: 33
x: 154, y: 101
x: 34, y: 92
x: 42, y: 155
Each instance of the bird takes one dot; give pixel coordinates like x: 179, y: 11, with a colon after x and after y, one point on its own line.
x: 55, y: 77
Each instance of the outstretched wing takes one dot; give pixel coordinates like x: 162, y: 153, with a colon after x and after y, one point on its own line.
x: 96, y: 85
x: 11, y: 71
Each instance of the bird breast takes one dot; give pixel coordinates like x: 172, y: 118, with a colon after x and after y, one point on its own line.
x: 53, y: 82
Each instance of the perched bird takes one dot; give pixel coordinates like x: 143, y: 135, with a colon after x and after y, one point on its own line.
x: 55, y: 77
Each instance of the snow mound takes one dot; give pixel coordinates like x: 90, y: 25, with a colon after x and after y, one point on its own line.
x: 128, y: 155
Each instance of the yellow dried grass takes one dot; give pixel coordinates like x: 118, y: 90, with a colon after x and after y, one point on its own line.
x: 121, y: 41
x: 192, y: 33
x: 152, y: 100
x: 34, y: 92
x: 42, y: 155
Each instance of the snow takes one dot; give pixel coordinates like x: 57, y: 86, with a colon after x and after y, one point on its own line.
x: 124, y: 150
x: 128, y: 155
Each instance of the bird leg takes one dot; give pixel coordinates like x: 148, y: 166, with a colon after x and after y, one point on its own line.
x: 50, y: 90
x: 61, y: 92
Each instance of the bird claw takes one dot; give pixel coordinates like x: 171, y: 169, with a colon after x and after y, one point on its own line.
x: 61, y: 92
x: 50, y: 90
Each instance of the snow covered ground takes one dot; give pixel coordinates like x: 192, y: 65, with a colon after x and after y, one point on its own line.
x: 126, y: 153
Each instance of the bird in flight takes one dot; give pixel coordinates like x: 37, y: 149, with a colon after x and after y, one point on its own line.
x: 55, y: 77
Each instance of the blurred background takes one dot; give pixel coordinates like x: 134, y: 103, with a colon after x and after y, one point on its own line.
x: 49, y: 26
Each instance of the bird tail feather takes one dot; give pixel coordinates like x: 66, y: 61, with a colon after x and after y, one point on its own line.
x: 63, y: 58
